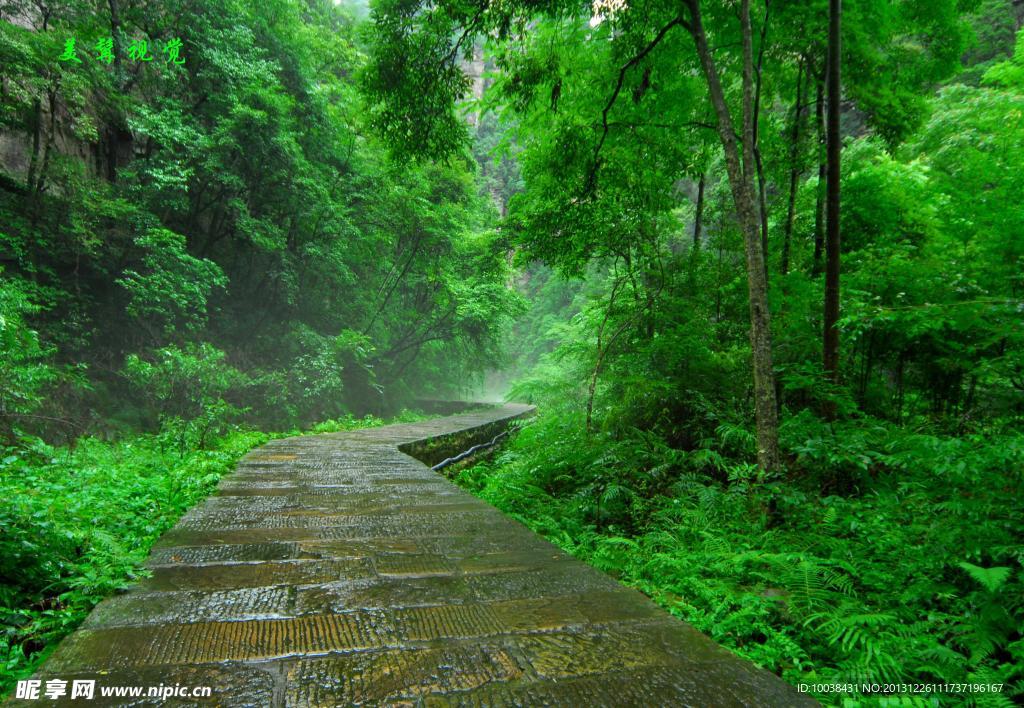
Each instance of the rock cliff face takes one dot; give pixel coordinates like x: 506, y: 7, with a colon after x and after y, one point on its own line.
x: 476, y: 68
x: 51, y: 128
x: 38, y: 131
x: 15, y: 146
x: 14, y: 155
x: 113, y: 146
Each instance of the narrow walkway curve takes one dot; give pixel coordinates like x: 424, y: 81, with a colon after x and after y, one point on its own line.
x: 336, y: 570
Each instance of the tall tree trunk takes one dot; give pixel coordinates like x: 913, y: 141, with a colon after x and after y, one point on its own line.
x: 762, y: 200
x: 698, y: 220
x: 115, y: 33
x: 37, y: 128
x: 762, y: 203
x: 741, y: 181
x: 794, y: 167
x: 819, y: 204
x: 51, y: 137
x: 113, y: 131
x: 831, y: 329
x: 603, y: 349
x: 899, y: 388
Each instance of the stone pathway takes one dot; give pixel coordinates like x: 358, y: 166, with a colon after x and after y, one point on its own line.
x: 335, y: 570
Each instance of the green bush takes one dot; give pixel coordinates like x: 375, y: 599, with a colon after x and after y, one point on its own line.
x: 171, y: 289
x: 25, y: 367
x: 186, y: 388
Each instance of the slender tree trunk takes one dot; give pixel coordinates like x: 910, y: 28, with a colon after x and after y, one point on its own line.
x: 762, y: 200
x: 718, y: 288
x: 867, y: 367
x: 30, y: 179
x: 819, y: 205
x: 51, y: 137
x: 37, y: 127
x: 832, y: 242
x: 794, y: 168
x: 741, y: 181
x: 602, y: 351
x: 114, y: 123
x: 592, y: 388
x: 698, y: 220
x: 899, y: 388
x: 115, y: 33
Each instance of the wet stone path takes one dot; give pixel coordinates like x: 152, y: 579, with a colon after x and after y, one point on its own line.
x: 336, y: 570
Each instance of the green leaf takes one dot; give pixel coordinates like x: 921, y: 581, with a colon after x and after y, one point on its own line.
x: 991, y: 578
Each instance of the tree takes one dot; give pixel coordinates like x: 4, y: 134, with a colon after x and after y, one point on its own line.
x: 740, y: 166
x: 832, y: 235
x: 416, y: 81
x: 236, y: 200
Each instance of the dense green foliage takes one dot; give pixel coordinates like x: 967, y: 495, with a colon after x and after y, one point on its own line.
x: 230, y: 222
x: 79, y: 525
x: 308, y: 219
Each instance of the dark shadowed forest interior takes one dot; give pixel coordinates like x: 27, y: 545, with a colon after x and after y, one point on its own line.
x: 758, y: 263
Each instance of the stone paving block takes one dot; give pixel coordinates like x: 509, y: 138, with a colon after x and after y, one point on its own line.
x: 244, y: 575
x: 218, y: 642
x: 625, y: 645
x: 556, y: 579
x: 233, y: 553
x: 140, y: 608
x: 447, y: 622
x: 678, y: 688
x: 213, y: 520
x: 519, y: 560
x: 381, y: 593
x: 387, y: 678
x: 390, y: 526
x: 465, y: 545
x: 411, y: 565
x: 260, y: 504
x: 542, y: 614
x: 357, y: 548
x: 211, y: 537
x: 235, y: 486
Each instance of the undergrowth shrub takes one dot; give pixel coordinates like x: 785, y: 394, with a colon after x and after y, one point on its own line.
x: 909, y: 571
x: 78, y: 524
x: 25, y: 367
x: 190, y: 389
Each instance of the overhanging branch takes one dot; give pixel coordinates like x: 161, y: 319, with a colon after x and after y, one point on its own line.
x: 675, y: 22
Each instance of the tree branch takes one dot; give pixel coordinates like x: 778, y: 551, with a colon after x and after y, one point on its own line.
x: 675, y: 22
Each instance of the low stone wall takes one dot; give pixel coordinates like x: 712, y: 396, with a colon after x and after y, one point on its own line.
x: 437, y: 407
x: 431, y: 451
